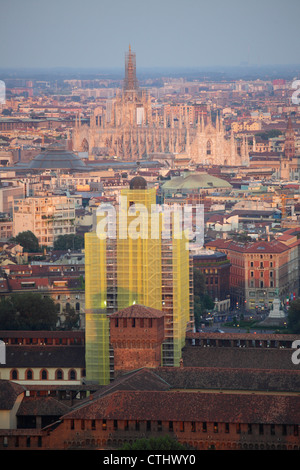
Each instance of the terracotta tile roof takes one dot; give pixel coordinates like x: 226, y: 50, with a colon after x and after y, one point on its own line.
x: 39, y: 406
x: 44, y: 356
x: 141, y: 379
x: 41, y: 334
x: 138, y: 311
x: 9, y: 391
x: 192, y: 406
x: 215, y: 378
x: 239, y: 358
x: 262, y: 246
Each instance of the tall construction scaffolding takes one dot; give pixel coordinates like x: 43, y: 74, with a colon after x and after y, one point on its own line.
x: 139, y: 266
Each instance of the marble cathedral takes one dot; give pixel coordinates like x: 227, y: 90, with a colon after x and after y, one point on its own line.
x: 130, y: 129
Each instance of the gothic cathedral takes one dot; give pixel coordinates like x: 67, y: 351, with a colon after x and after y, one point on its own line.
x: 129, y: 129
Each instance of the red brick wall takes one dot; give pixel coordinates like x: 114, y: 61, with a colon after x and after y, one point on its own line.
x: 136, y: 342
x: 86, y: 434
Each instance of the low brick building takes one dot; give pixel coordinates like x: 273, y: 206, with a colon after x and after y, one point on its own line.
x: 184, y: 403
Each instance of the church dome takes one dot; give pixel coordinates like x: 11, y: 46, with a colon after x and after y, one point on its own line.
x: 56, y: 157
x: 138, y: 182
x: 190, y: 182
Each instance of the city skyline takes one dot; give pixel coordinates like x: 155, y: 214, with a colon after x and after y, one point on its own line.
x: 149, y: 226
x: 164, y: 34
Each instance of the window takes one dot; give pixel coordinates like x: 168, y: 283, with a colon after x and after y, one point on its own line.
x: 29, y: 375
x: 171, y: 426
x: 227, y: 428
x: 272, y: 429
x: 14, y: 374
x: 59, y: 374
x: 238, y: 428
x: 208, y: 148
x: 72, y: 374
x: 284, y: 430
x: 93, y: 424
x: 204, y: 427
x: 249, y: 428
x: 261, y: 429
x: 44, y: 374
x: 181, y: 426
x: 216, y: 427
x: 104, y: 426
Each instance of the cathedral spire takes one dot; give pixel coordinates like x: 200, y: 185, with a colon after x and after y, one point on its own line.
x: 130, y: 82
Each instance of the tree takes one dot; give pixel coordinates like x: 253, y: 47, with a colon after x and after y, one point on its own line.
x: 71, y: 318
x: 202, y: 300
x: 294, y: 316
x: 69, y: 242
x: 8, y: 317
x: 29, y: 311
x: 28, y: 241
x: 159, y: 443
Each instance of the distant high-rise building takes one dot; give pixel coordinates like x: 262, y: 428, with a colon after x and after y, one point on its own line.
x: 148, y: 270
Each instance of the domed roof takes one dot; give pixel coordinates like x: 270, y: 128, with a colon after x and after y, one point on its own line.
x: 138, y: 182
x: 194, y: 181
x: 56, y: 157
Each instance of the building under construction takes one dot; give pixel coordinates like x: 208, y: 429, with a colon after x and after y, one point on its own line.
x: 126, y: 270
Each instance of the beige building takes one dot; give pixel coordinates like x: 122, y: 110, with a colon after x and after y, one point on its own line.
x: 47, y: 217
x: 7, y: 196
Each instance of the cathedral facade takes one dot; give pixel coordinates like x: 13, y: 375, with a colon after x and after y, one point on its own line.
x: 130, y: 129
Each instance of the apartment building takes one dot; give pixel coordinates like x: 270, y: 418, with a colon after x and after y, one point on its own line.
x: 261, y: 271
x: 47, y: 217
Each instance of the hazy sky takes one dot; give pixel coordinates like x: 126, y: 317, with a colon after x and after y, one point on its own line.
x: 196, y: 33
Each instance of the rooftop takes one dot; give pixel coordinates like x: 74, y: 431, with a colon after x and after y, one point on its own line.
x: 195, y: 181
x: 57, y: 157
